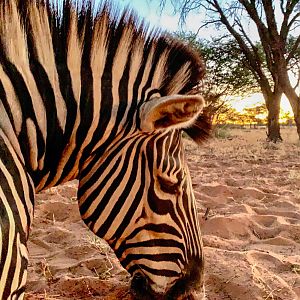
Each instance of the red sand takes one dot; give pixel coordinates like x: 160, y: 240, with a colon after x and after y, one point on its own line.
x: 251, y: 235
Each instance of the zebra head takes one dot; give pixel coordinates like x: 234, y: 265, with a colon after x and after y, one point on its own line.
x: 142, y: 201
x: 164, y: 252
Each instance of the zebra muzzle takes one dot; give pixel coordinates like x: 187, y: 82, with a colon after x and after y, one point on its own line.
x: 141, y: 290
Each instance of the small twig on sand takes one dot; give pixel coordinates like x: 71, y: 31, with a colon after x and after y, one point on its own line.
x: 232, y: 277
x: 205, y: 217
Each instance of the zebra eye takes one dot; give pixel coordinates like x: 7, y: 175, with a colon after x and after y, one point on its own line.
x: 168, y: 186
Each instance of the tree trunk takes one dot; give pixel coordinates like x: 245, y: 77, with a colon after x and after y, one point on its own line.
x: 295, y: 104
x: 297, y: 120
x: 273, y: 106
x: 292, y: 96
x: 296, y: 112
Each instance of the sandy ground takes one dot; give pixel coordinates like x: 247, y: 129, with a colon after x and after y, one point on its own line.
x: 251, y: 234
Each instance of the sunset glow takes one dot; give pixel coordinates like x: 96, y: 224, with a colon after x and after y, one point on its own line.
x: 256, y: 100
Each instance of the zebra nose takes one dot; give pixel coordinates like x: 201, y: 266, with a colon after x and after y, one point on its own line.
x: 140, y: 286
x: 138, y: 281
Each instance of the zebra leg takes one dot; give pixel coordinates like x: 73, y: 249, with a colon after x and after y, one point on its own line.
x: 16, y: 210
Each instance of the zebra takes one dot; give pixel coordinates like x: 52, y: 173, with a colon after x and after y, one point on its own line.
x: 91, y: 92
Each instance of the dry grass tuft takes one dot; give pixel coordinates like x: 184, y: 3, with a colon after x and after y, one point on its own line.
x: 44, y: 296
x: 98, y: 244
x: 47, y: 272
x: 105, y: 249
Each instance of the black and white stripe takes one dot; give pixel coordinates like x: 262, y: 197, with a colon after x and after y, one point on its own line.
x: 91, y: 93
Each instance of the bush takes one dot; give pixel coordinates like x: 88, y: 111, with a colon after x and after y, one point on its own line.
x: 222, y: 132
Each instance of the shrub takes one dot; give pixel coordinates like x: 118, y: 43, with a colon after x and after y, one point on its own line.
x: 222, y: 132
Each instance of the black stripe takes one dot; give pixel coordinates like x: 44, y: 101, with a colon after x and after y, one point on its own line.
x: 155, y: 242
x: 138, y: 102
x: 87, y: 92
x: 109, y: 192
x: 13, y: 206
x: 60, y: 34
x: 60, y: 139
x: 11, y: 270
x: 26, y: 104
x: 85, y: 26
x: 159, y: 48
x: 8, y: 160
x: 157, y: 205
x: 96, y: 174
x: 163, y: 272
x: 152, y: 92
x: 183, y: 215
x: 122, y: 105
x: 4, y: 101
x: 4, y: 224
x: 66, y: 88
x: 160, y: 146
x: 135, y: 203
x: 21, y: 290
x: 173, y: 156
x: 134, y: 176
x: 158, y: 228
x: 106, y: 93
x: 162, y: 257
x: 91, y: 198
x: 54, y: 138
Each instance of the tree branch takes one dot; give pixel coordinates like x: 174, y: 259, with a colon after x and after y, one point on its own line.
x: 255, y: 64
x: 286, y: 25
x: 293, y: 50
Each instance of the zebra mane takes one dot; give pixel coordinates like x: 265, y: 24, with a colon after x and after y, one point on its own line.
x: 77, y: 34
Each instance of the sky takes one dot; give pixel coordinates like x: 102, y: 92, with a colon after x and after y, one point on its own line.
x: 256, y: 100
x: 149, y: 9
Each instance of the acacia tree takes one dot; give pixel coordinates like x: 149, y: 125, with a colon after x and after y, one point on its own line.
x: 278, y: 47
x: 230, y: 116
x: 253, y: 114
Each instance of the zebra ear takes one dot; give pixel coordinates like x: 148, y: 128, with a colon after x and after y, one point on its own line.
x: 177, y: 111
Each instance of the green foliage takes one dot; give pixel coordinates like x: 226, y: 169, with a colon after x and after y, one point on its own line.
x: 230, y: 115
x: 222, y: 132
x: 227, y: 73
x: 287, y: 118
x: 251, y: 115
x: 227, y: 69
x: 256, y: 114
x: 294, y: 61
